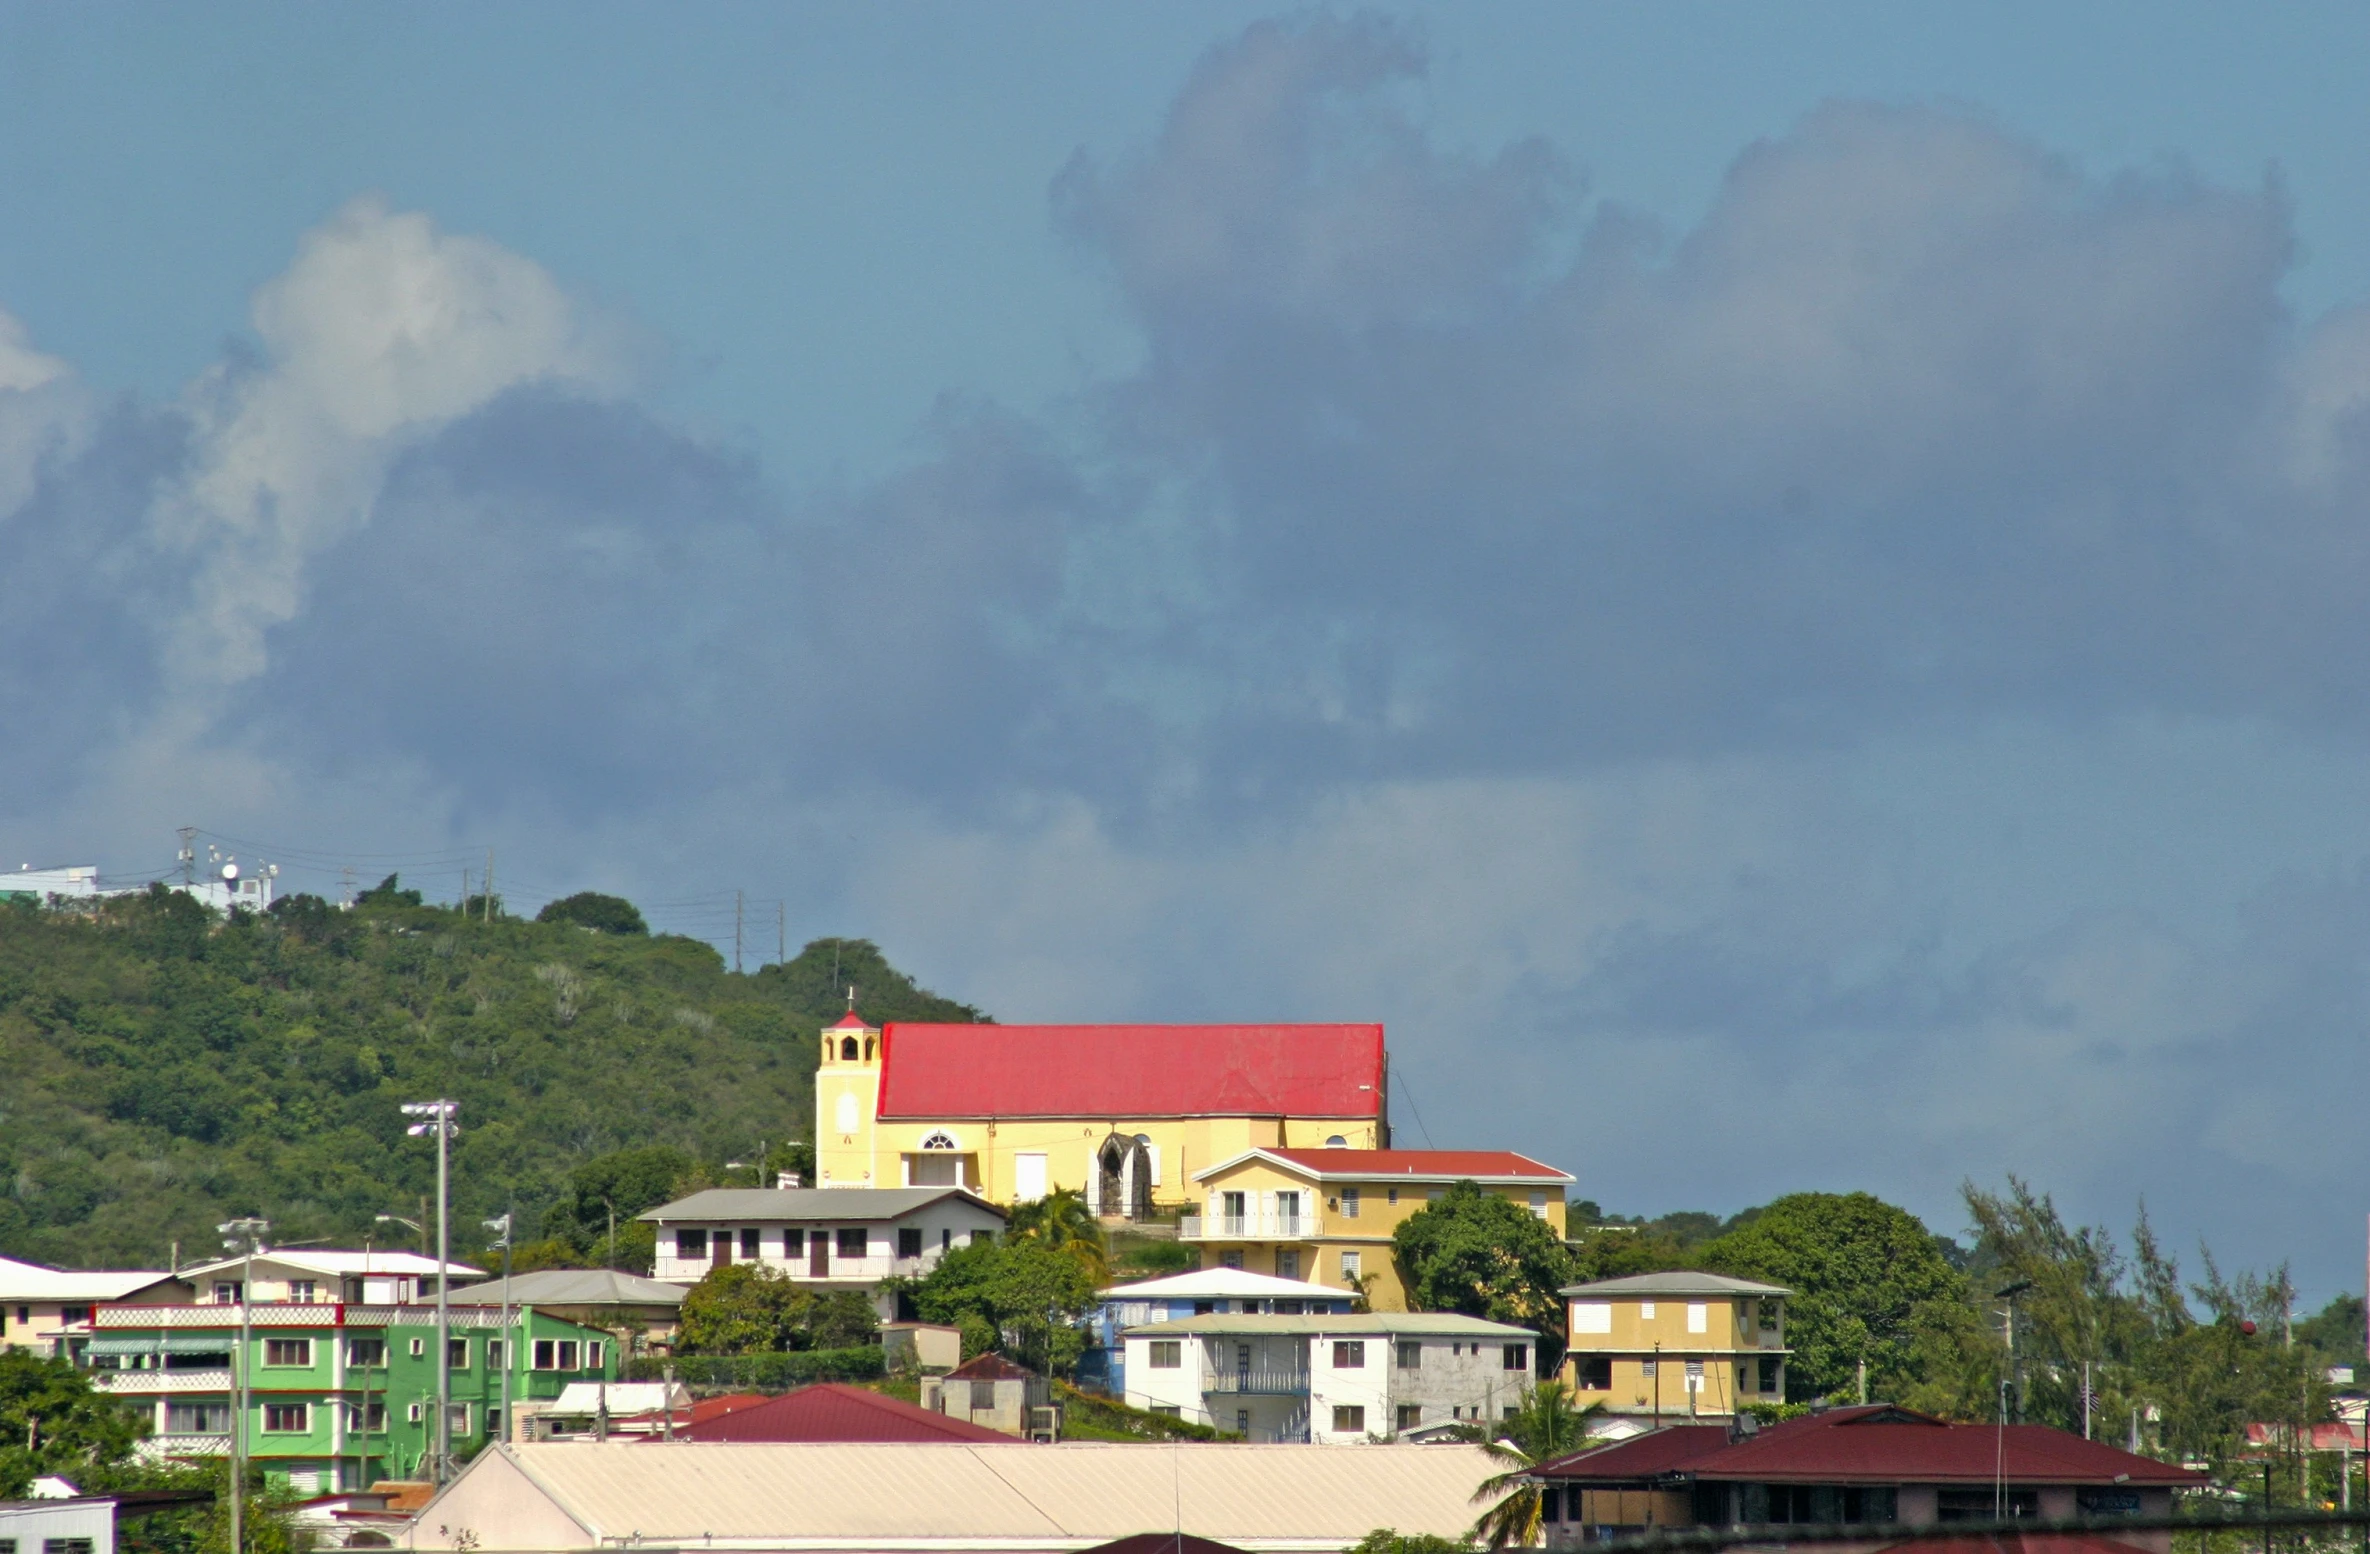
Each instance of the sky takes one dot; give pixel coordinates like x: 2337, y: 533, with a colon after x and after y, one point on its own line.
x: 1778, y: 592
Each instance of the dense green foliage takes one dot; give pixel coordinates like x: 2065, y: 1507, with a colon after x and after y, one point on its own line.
x: 51, y: 1421
x: 1868, y: 1281
x: 162, y: 1069
x: 1389, y: 1540
x: 591, y: 909
x: 745, y: 1308
x: 1475, y: 1252
x: 1022, y: 1296
x: 1546, y: 1425
x: 1090, y: 1416
x: 775, y: 1372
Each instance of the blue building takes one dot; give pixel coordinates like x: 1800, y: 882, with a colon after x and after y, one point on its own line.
x: 1209, y: 1292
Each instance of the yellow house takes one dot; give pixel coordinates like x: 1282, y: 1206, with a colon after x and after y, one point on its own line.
x: 1123, y: 1113
x: 1670, y: 1346
x: 1325, y: 1216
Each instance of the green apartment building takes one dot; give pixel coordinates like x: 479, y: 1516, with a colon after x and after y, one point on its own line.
x: 339, y: 1396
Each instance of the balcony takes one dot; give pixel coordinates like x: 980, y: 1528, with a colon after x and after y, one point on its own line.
x: 131, y: 1383
x: 1247, y: 1227
x: 180, y: 1445
x: 1256, y: 1383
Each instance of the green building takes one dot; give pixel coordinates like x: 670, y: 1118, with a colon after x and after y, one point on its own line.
x: 339, y: 1396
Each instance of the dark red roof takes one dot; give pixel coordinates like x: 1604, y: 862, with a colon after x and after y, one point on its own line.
x: 834, y: 1411
x: 1881, y: 1444
x: 851, y: 1021
x: 988, y: 1367
x: 1449, y: 1163
x: 1122, y: 1071
x: 705, y: 1409
x: 1641, y: 1456
x: 1163, y: 1543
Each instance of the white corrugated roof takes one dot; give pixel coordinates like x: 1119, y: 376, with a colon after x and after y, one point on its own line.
x: 381, y: 1260
x: 26, y: 1281
x: 853, y: 1495
x: 1414, y: 1324
x: 1224, y: 1283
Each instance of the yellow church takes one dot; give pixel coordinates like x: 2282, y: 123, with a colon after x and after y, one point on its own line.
x: 1127, y: 1114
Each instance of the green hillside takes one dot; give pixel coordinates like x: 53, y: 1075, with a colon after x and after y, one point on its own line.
x: 162, y: 1070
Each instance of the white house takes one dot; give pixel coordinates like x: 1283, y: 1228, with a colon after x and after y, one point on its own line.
x: 36, y: 1302
x: 1204, y: 1292
x: 59, y: 1526
x: 834, y: 1237
x: 1331, y: 1378
x: 314, y: 1276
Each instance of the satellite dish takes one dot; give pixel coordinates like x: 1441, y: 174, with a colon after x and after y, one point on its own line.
x: 230, y: 871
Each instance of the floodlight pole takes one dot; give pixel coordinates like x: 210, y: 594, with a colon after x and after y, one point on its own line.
x: 241, y: 1235
x: 509, y: 1358
x: 439, y: 1115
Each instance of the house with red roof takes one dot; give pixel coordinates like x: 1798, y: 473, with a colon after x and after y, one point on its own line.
x: 1325, y: 1216
x: 1126, y: 1114
x: 835, y: 1411
x: 1876, y: 1465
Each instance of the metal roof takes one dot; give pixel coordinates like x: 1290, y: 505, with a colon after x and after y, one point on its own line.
x: 1680, y: 1282
x: 1224, y: 1284
x: 1128, y: 1071
x: 377, y: 1260
x: 824, y: 1205
x: 835, y: 1411
x: 1497, y: 1166
x: 924, y: 1495
x: 26, y: 1281
x: 1413, y: 1324
x: 570, y: 1287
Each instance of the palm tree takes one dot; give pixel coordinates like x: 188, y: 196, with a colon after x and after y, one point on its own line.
x: 1544, y: 1426
x: 1062, y: 1220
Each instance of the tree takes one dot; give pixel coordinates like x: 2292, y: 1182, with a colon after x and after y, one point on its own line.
x: 744, y: 1308
x: 616, y: 1187
x: 388, y: 892
x: 1864, y: 1275
x: 591, y: 909
x: 1021, y: 1295
x: 52, y: 1421
x: 1543, y: 1427
x: 1062, y: 1220
x: 1390, y: 1540
x: 1477, y: 1253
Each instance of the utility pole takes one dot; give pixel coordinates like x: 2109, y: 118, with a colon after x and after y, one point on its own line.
x: 489, y: 884
x: 508, y: 1356
x: 188, y: 861
x: 241, y: 1236
x: 438, y: 1119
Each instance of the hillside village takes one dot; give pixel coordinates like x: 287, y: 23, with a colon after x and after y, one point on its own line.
x: 1199, y: 1252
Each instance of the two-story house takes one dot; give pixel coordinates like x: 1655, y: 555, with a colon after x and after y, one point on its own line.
x: 306, y: 1276
x: 1676, y: 1346
x: 1326, y: 1215
x: 339, y: 1396
x: 37, y: 1303
x: 1329, y: 1379
x: 837, y: 1238
x: 1204, y: 1292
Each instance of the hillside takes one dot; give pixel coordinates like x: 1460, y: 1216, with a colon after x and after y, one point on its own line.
x: 162, y: 1070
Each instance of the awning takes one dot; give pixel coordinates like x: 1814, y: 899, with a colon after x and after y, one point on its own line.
x: 167, y: 1343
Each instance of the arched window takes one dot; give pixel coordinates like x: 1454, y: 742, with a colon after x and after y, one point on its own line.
x: 1337, y: 1142
x: 941, y: 1140
x: 847, y: 1049
x: 867, y: 1049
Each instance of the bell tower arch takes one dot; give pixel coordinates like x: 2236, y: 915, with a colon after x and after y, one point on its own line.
x: 847, y: 1103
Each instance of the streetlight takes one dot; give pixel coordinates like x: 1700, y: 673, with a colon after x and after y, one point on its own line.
x: 242, y: 1236
x: 437, y: 1117
x: 501, y: 1228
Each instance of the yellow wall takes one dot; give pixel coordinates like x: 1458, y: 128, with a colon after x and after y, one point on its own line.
x: 1656, y: 1332
x: 875, y: 1153
x: 1729, y: 1323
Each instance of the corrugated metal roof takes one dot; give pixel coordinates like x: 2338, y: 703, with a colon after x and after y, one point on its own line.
x: 1680, y: 1282
x: 1222, y: 1283
x: 1124, y: 1071
x: 570, y: 1287
x: 1422, y: 1165
x: 829, y: 1205
x: 22, y: 1281
x: 1425, y: 1324
x: 1049, y: 1496
x: 834, y: 1411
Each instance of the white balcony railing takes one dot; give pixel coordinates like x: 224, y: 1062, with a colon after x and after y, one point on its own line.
x: 185, y: 1446
x: 1247, y: 1227
x: 129, y: 1383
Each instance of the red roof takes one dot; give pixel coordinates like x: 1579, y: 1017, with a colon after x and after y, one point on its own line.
x: 851, y: 1021
x: 1882, y: 1444
x: 1447, y: 1164
x: 1641, y: 1456
x: 988, y: 1367
x: 834, y: 1411
x: 1163, y: 1543
x: 705, y: 1409
x: 1123, y: 1071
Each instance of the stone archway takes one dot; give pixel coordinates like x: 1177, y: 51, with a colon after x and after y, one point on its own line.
x: 1123, y: 1178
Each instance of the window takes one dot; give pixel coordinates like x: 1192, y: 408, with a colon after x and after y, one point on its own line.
x: 567, y: 1354
x: 495, y: 1350
x: 224, y: 1295
x: 65, y: 1546
x: 1231, y: 1259
x: 1592, y: 1316
x: 419, y: 1346
x: 74, y: 1313
x: 300, y: 1292
x: 287, y: 1418
x: 1288, y: 1265
x: 456, y: 1353
x: 1349, y: 1354
x: 1349, y: 1419
x: 197, y: 1418
x: 458, y: 1418
x: 983, y: 1397
x: 946, y: 1240
x: 1769, y: 1316
x: 691, y: 1243
x: 1517, y: 1357
x: 1646, y: 1311
x: 1769, y: 1375
x: 1167, y: 1354
x: 1408, y: 1354
x: 1592, y: 1372
x: 368, y: 1352
x: 416, y: 1412
x: 1539, y: 1205
x: 1699, y: 1317
x: 794, y: 1243
x: 1410, y: 1415
x: 847, y: 1049
x: 852, y: 1243
x: 1349, y: 1203
x: 1695, y: 1375
x: 1392, y: 1196
x: 1353, y: 1266
x: 546, y: 1355
x: 595, y: 1353
x: 1167, y: 1410
x: 1646, y: 1369
x: 749, y: 1244
x: 287, y: 1351
x: 909, y: 1242
x: 375, y: 1418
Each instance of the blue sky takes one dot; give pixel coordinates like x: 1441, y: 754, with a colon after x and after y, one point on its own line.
x: 1797, y: 570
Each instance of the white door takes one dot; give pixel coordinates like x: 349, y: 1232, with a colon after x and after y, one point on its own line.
x: 1028, y: 1178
